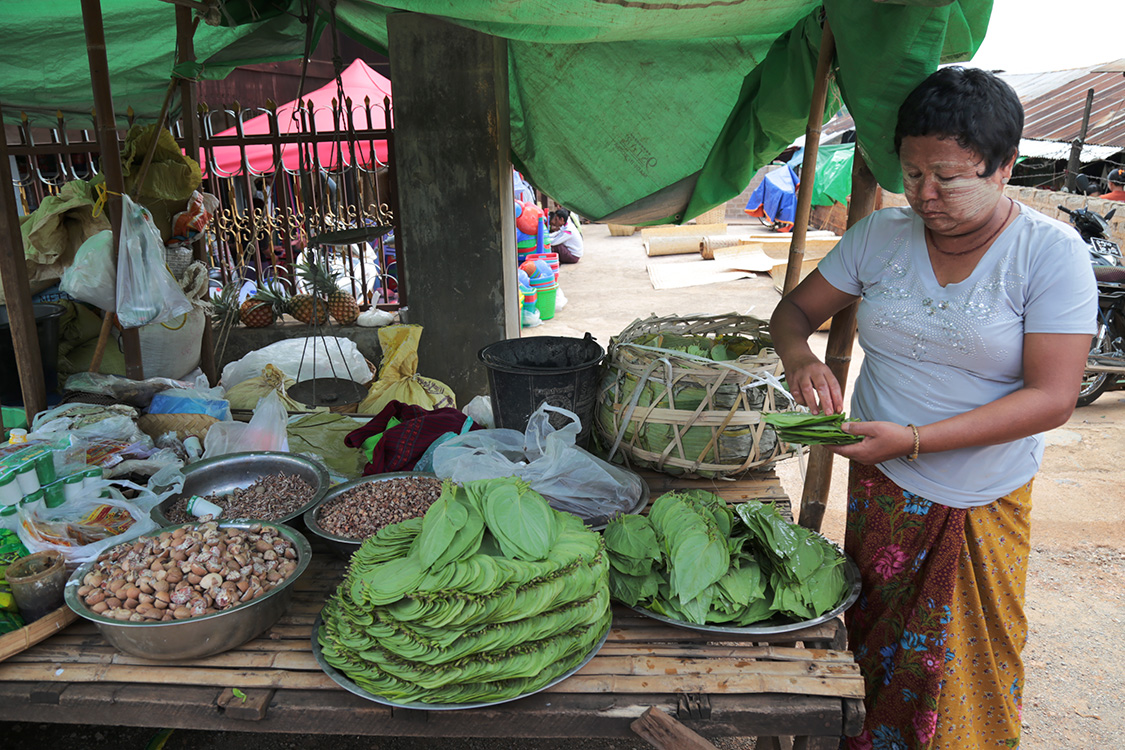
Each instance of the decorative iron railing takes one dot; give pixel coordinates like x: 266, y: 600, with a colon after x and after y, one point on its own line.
x: 281, y: 178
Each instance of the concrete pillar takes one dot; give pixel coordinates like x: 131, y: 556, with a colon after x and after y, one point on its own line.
x: 456, y: 243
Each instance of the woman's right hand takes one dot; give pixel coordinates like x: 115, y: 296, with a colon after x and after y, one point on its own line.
x: 813, y: 384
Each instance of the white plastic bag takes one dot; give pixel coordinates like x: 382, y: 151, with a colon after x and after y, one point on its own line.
x: 480, y: 411
x: 92, y: 276
x: 146, y: 290
x: 266, y: 431
x: 572, y: 479
x: 83, y: 528
x: 299, y: 359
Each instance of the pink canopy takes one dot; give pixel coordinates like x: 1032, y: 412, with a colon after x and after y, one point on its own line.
x: 359, y: 82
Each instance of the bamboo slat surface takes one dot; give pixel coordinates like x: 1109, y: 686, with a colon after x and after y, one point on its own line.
x: 792, y: 683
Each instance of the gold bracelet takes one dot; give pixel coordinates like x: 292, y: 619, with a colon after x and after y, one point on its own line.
x: 917, y: 443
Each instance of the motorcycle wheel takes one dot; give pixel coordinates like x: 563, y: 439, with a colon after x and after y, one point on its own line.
x: 1095, y: 384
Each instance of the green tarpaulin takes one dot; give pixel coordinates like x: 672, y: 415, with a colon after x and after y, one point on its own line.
x: 631, y: 111
x: 833, y: 174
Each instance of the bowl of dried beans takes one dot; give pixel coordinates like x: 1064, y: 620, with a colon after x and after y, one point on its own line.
x: 352, y: 511
x: 263, y: 485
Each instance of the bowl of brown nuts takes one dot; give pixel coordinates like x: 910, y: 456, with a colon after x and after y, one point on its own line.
x: 352, y: 511
x: 263, y: 485
x: 193, y: 590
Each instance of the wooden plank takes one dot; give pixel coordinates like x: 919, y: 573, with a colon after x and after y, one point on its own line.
x: 251, y: 705
x: 837, y: 686
x: 240, y: 678
x: 662, y: 731
x: 742, y: 653
x: 43, y: 628
x: 539, y: 716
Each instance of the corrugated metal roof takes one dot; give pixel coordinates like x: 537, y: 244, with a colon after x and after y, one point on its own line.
x: 1054, y: 150
x: 1056, y: 115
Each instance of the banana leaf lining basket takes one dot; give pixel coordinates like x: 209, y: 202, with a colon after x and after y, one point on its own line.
x: 665, y: 404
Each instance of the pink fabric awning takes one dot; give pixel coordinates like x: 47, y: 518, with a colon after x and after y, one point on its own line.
x: 359, y: 82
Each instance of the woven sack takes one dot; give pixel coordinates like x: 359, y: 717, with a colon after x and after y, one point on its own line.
x: 184, y: 425
x: 684, y: 414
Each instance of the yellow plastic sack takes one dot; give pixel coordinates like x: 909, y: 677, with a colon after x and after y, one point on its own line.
x: 246, y: 394
x: 398, y: 375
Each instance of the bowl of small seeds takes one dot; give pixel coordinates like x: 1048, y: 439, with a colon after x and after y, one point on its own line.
x: 263, y: 485
x: 352, y: 511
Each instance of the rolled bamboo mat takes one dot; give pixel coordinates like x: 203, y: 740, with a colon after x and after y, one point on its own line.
x: 708, y: 245
x: 695, y: 230
x: 672, y: 245
x: 716, y: 215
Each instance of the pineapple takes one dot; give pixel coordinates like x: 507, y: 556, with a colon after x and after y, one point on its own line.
x: 306, y: 308
x: 259, y: 311
x: 343, y: 307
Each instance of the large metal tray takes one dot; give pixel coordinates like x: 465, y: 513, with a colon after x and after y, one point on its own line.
x: 224, y: 474
x: 343, y: 681
x: 773, y: 626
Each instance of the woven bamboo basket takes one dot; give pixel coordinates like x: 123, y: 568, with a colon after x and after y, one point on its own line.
x: 683, y: 414
x: 184, y: 425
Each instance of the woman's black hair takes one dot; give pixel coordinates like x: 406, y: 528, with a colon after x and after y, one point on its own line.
x: 972, y: 106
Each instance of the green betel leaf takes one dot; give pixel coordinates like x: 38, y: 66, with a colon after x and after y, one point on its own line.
x: 632, y: 545
x: 442, y: 521
x: 466, y: 541
x: 521, y: 520
x: 699, y: 561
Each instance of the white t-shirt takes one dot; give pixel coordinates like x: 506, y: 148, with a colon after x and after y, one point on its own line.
x: 568, y: 238
x: 932, y: 352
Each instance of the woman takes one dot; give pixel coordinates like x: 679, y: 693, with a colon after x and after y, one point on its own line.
x: 975, y: 319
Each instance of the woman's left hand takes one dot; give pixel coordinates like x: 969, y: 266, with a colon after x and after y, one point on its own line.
x: 882, y: 441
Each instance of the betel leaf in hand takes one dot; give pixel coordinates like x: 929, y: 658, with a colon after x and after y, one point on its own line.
x: 810, y: 429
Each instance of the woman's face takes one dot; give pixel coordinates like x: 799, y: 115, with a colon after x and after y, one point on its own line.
x: 943, y: 186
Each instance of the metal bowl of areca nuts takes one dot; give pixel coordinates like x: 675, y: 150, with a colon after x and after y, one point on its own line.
x: 352, y: 511
x: 265, y: 485
x: 190, y: 591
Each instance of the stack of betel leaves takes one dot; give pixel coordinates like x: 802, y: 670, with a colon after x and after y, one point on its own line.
x: 491, y: 595
x: 693, y: 559
x: 811, y: 429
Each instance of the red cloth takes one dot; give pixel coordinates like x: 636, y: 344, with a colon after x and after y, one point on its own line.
x: 402, y: 446
x: 1114, y: 195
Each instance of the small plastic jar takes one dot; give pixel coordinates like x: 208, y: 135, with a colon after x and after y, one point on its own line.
x: 27, y: 477
x: 10, y: 492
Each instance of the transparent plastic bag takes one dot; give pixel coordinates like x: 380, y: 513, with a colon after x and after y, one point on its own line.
x: 146, y: 290
x: 570, y: 478
x: 92, y: 277
x: 266, y: 431
x: 83, y: 528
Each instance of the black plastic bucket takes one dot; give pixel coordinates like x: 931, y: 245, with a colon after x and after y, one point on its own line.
x: 523, y: 373
x: 47, y: 327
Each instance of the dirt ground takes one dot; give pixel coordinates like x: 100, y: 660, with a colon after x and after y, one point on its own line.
x: 1076, y: 582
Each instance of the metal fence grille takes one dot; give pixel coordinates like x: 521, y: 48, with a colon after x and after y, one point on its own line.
x: 311, y: 182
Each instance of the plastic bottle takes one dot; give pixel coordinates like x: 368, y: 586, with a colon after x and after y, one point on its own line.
x: 17, y: 435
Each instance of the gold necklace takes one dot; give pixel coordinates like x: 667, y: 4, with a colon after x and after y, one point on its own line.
x: 979, y: 245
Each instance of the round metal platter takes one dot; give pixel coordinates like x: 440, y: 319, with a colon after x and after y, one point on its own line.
x: 343, y: 681
x: 770, y: 627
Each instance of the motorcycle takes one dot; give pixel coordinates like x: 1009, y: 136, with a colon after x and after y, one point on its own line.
x: 1105, y: 366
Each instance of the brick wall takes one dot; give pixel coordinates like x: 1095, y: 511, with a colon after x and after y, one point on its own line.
x: 835, y: 217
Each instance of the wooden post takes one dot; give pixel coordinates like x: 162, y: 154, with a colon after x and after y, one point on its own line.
x: 1074, y: 163
x: 17, y: 293
x: 185, y: 33
x: 838, y: 357
x: 105, y: 123
x: 457, y: 249
x: 808, y: 164
x: 662, y: 731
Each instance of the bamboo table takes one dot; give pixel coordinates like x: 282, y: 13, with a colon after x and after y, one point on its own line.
x: 801, y: 684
